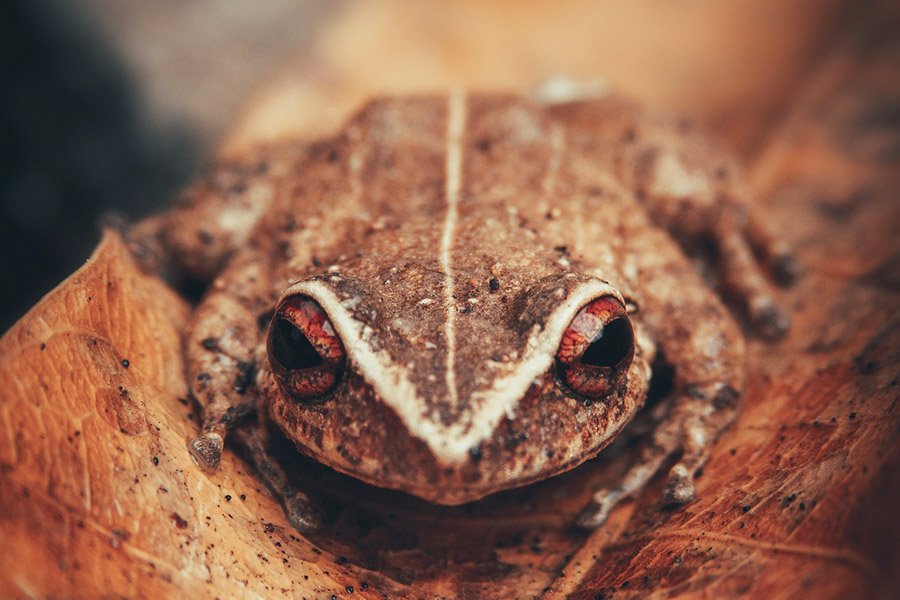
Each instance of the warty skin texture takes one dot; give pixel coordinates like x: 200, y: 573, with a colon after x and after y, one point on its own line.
x: 451, y: 240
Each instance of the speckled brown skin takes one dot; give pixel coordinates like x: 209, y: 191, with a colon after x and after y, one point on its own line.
x: 449, y: 234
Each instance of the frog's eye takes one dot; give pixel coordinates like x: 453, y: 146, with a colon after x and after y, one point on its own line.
x: 596, y: 349
x: 305, y: 353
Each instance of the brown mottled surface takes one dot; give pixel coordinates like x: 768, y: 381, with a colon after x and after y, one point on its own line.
x: 97, y: 492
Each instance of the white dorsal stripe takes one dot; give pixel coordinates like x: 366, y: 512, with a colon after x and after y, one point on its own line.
x: 451, y: 443
x: 456, y: 121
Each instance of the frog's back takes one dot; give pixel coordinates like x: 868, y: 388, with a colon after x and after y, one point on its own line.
x: 517, y: 182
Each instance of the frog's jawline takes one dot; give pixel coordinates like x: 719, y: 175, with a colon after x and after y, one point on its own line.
x: 451, y: 443
x: 449, y: 496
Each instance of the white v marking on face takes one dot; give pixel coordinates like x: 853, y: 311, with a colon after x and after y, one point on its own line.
x: 450, y: 443
x: 456, y: 120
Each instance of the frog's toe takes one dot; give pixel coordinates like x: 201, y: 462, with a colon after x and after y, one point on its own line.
x: 680, y: 486
x: 300, y: 513
x: 596, y: 512
x: 786, y: 269
x: 771, y: 321
x: 744, y: 277
x: 206, y: 450
x: 605, y: 500
x: 775, y: 253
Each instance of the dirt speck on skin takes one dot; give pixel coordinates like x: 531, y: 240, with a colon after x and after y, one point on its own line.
x: 180, y: 523
x: 117, y: 536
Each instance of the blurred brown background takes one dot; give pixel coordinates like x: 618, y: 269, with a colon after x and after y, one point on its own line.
x: 113, y: 104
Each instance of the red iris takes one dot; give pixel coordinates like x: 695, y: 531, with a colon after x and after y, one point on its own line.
x: 596, y: 349
x: 305, y: 353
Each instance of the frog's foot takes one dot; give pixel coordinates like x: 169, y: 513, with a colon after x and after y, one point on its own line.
x: 695, y: 452
x: 300, y: 512
x: 597, y: 511
x: 206, y: 450
x: 680, y: 486
x: 775, y: 254
x: 219, y: 417
x: 679, y: 490
x: 690, y: 187
x: 702, y: 413
x: 690, y: 428
x: 605, y: 499
x: 744, y: 247
x: 665, y: 442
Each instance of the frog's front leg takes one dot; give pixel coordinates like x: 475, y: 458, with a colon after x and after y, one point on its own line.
x: 220, y: 349
x: 222, y: 364
x: 694, y: 333
x: 214, y: 216
x: 300, y: 512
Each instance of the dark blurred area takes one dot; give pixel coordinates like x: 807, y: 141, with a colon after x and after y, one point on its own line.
x: 112, y: 105
x: 74, y: 146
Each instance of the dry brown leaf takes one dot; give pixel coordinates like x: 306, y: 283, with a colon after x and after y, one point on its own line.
x: 98, y: 495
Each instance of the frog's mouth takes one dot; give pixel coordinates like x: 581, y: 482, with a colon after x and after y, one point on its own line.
x: 455, y: 493
x: 374, y: 447
x: 333, y: 478
x: 364, y: 496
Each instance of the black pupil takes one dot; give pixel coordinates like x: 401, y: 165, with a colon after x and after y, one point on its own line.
x: 612, y: 347
x: 291, y: 348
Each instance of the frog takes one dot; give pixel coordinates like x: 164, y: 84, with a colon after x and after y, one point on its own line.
x: 459, y: 294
